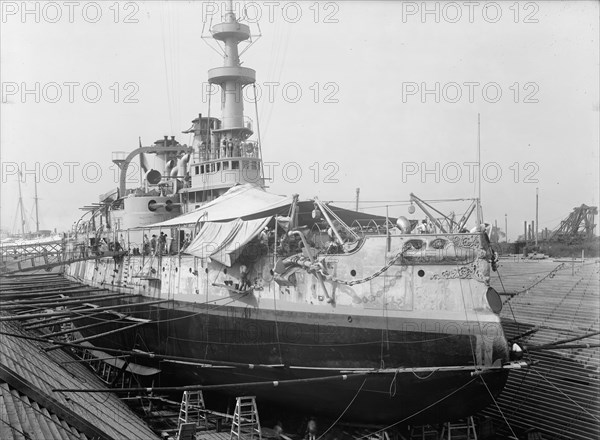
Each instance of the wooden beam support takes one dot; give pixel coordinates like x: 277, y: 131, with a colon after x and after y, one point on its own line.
x: 76, y: 329
x: 68, y: 312
x: 62, y: 302
x: 54, y: 321
x: 100, y: 335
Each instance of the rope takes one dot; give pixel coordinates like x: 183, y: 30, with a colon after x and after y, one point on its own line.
x: 550, y: 274
x: 393, y: 385
x: 562, y: 392
x: 508, y: 302
x: 346, y: 409
x: 277, y: 326
x: 462, y: 294
x: 498, y: 406
x: 417, y: 412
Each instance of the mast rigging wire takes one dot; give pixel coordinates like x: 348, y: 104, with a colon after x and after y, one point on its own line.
x: 498, y: 406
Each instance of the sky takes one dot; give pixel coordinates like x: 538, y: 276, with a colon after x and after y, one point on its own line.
x: 381, y: 96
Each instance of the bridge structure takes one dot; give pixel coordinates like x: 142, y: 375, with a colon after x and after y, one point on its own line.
x: 578, y: 226
x: 31, y: 255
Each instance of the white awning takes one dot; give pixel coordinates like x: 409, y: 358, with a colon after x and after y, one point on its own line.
x: 224, y: 242
x: 241, y: 201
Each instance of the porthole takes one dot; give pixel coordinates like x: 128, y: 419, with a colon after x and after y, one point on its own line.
x: 353, y: 272
x: 225, y: 271
x: 421, y: 273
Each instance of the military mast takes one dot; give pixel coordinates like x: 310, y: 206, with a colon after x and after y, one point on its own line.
x: 226, y: 154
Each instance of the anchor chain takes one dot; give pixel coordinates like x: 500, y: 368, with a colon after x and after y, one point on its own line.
x: 369, y: 278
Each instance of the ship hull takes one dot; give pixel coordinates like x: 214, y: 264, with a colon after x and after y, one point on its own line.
x: 318, y: 346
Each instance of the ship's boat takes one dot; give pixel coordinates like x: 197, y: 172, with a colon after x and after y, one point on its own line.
x: 298, y: 302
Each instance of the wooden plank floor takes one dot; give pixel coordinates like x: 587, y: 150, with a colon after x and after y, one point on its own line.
x: 555, y: 301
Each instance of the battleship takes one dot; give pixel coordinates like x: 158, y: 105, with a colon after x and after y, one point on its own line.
x: 298, y: 302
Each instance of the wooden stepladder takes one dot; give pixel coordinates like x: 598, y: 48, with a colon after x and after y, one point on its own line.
x: 379, y: 435
x: 246, y: 424
x: 463, y: 430
x: 192, y: 409
x: 424, y: 432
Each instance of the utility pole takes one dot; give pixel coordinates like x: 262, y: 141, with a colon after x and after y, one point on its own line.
x: 536, y: 215
x: 357, y: 197
x: 479, y: 210
x: 19, y: 174
x: 505, y: 228
x: 496, y: 230
x: 37, y: 218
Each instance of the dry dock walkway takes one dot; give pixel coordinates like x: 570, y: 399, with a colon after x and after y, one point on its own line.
x: 553, y: 309
x: 30, y: 410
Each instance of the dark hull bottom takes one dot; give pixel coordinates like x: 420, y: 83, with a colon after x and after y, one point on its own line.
x: 231, y: 335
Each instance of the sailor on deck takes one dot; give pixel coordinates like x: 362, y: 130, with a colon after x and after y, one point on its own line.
x: 422, y: 228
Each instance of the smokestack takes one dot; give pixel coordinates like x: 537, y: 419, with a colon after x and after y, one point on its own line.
x: 166, y: 140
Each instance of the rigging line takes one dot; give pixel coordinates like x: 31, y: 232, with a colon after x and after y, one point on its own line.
x: 278, y: 68
x: 405, y: 201
x: 522, y: 274
x: 198, y: 313
x: 416, y: 413
x: 482, y: 349
x: 150, y: 310
x: 270, y: 68
x: 515, y: 409
x: 162, y: 29
x: 508, y: 302
x: 262, y: 172
x: 354, y: 344
x: 425, y: 377
x: 205, y: 39
x: 462, y: 293
x: 567, y: 396
x: 177, y: 33
x: 558, y: 306
x: 393, y: 385
x: 498, y: 406
x: 381, y: 363
x: 550, y: 274
x: 277, y: 326
x: 345, y: 409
